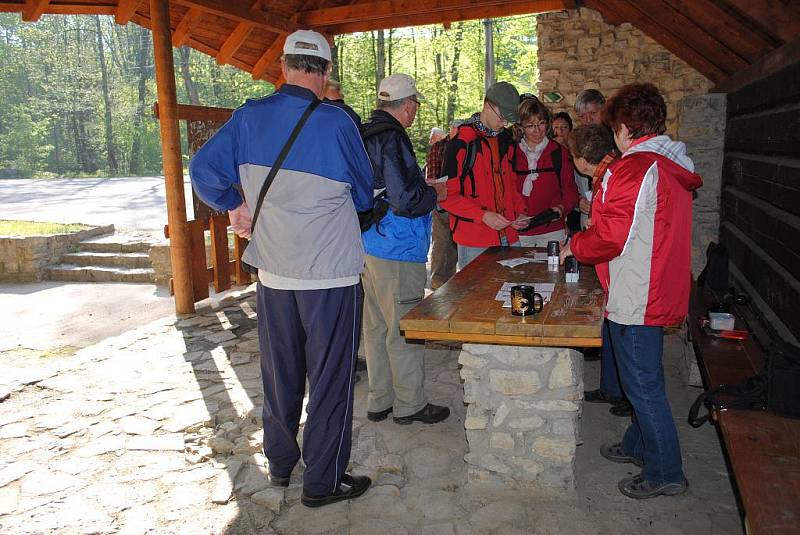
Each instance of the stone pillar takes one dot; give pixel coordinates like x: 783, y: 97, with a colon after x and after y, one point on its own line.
x: 701, y: 125
x: 523, y: 414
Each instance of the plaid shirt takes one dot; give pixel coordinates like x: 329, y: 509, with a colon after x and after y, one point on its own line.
x: 435, y: 163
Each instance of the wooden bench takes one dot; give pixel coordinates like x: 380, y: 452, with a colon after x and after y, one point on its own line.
x: 763, y: 449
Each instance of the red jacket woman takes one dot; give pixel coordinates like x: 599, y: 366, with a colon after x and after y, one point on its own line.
x: 545, y: 175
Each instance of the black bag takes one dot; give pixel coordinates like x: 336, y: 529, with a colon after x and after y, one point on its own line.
x: 715, y: 272
x: 775, y: 389
x: 374, y: 215
x: 274, y: 171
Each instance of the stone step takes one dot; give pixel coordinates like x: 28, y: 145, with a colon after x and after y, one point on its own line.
x: 127, y: 260
x: 114, y: 244
x: 71, y: 272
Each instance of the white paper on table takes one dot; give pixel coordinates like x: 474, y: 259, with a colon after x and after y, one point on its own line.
x: 514, y: 262
x: 539, y: 257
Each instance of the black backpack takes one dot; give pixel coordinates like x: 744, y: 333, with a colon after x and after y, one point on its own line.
x: 773, y: 389
x: 715, y: 272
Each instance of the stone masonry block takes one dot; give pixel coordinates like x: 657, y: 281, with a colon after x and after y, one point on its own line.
x: 554, y: 449
x: 514, y: 383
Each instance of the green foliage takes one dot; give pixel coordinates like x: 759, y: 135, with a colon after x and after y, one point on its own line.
x: 36, y: 228
x: 52, y: 118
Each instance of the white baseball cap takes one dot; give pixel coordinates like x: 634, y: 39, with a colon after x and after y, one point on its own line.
x: 398, y: 86
x: 307, y: 43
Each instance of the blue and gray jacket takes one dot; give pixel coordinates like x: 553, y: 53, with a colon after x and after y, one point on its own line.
x: 404, y: 234
x: 307, y: 236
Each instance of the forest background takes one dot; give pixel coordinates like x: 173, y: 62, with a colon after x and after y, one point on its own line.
x: 77, y: 91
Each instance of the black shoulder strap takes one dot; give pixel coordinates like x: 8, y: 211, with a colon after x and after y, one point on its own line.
x: 281, y: 157
x: 556, y: 157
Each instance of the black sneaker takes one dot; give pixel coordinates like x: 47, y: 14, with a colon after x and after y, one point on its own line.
x: 430, y: 414
x: 598, y: 396
x: 378, y: 416
x: 350, y: 487
x: 622, y: 408
x: 638, y: 488
x: 276, y: 481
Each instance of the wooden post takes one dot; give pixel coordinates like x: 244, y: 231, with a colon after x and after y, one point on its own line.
x: 179, y: 243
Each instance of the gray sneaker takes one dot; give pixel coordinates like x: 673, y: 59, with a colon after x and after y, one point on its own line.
x: 638, y: 488
x: 615, y: 454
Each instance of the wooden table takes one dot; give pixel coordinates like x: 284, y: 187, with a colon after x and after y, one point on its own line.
x: 523, y: 382
x: 465, y: 309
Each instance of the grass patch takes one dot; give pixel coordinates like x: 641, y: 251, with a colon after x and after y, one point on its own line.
x: 36, y: 228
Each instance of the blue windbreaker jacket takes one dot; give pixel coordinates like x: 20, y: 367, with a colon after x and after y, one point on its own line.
x: 307, y: 236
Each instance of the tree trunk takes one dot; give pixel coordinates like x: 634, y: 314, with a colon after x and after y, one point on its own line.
x: 142, y: 66
x: 335, y: 60
x: 451, y: 94
x: 389, y: 52
x: 186, y: 74
x: 380, y: 60
x: 111, y: 153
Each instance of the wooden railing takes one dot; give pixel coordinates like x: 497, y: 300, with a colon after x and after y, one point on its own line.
x: 223, y: 272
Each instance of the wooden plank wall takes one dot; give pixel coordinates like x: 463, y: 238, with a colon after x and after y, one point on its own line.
x: 760, y: 220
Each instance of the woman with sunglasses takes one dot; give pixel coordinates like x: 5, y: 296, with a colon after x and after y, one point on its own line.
x: 545, y: 175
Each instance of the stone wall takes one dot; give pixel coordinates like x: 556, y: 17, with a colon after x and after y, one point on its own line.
x: 579, y: 50
x: 24, y: 259
x: 702, y: 127
x: 524, y: 406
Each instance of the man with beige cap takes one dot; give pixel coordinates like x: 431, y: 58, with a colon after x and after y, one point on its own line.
x: 397, y: 250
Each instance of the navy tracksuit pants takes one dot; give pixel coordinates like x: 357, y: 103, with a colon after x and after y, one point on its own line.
x: 314, y: 334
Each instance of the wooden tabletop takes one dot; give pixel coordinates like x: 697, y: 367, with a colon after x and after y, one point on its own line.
x: 465, y: 308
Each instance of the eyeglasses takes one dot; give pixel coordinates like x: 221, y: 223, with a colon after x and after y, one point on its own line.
x: 538, y: 126
x: 503, y: 120
x: 416, y: 101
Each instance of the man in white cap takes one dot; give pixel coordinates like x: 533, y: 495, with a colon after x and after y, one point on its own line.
x: 397, y: 250
x: 307, y: 247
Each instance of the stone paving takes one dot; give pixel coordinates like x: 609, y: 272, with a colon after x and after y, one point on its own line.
x: 158, y: 431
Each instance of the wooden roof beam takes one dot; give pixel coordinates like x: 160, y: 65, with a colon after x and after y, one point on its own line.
x: 183, y: 28
x: 125, y: 10
x: 767, y: 65
x: 506, y: 8
x: 693, y: 34
x: 663, y: 36
x: 729, y: 28
x: 268, y: 58
x: 779, y: 17
x: 399, y: 9
x: 236, y: 39
x: 33, y: 9
x: 236, y: 11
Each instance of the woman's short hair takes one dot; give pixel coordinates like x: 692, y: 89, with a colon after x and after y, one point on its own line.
x: 564, y: 116
x: 640, y: 107
x: 591, y: 142
x: 533, y: 107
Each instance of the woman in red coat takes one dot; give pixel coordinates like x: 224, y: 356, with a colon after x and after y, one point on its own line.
x: 545, y: 176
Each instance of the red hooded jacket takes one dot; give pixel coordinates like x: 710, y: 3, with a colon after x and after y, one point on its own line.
x: 640, y: 238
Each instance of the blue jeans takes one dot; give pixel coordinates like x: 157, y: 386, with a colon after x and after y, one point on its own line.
x: 652, y: 436
x: 609, y: 376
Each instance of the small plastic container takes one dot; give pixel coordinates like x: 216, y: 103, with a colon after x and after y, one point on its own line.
x: 721, y: 321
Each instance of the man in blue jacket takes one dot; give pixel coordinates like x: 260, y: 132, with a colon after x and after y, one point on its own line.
x: 397, y: 249
x: 308, y: 251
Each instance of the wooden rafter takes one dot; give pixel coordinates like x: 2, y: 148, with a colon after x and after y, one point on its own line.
x: 400, y: 9
x: 692, y: 34
x: 769, y: 64
x: 236, y: 39
x: 182, y: 30
x: 125, y: 10
x: 665, y: 37
x: 239, y: 13
x: 268, y: 58
x: 34, y: 9
x: 779, y: 17
x: 728, y: 28
x: 494, y: 9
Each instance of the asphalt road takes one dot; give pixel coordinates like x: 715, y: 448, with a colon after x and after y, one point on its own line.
x: 137, y: 203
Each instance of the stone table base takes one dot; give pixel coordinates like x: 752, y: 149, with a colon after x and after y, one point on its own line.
x: 523, y: 414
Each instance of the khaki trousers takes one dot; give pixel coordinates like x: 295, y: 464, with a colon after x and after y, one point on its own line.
x: 395, y: 368
x: 444, y: 255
